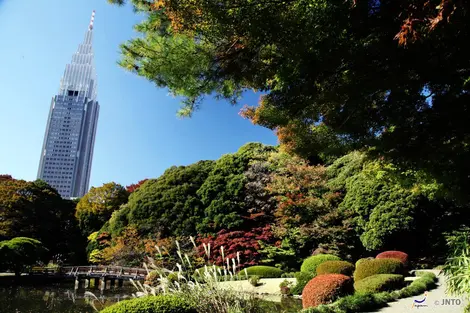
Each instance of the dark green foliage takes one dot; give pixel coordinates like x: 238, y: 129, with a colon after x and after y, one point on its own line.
x: 19, y: 252
x: 36, y: 210
x: 384, y: 210
x: 379, y: 282
x: 263, y: 271
x: 223, y: 192
x: 310, y: 264
x: 372, y: 267
x: 380, y: 87
x: 335, y: 267
x: 167, y: 205
x: 302, y: 279
x: 152, y: 304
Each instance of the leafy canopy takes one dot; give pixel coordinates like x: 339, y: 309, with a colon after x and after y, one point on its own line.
x: 391, y: 75
x: 96, y: 207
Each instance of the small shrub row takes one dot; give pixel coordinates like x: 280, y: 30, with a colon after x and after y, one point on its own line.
x: 263, y: 271
x: 310, y: 264
x: 152, y: 304
x: 380, y: 282
x: 326, y: 289
x: 368, y: 302
x: 335, y: 267
x: 367, y: 268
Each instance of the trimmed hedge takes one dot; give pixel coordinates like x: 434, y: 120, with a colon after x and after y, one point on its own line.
x: 302, y: 279
x: 325, y: 289
x: 310, y: 264
x: 152, y: 304
x: 263, y: 271
x: 335, y: 267
x: 380, y: 282
x: 367, y: 302
x: 362, y: 260
x: 372, y: 267
x: 200, y: 272
x: 402, y: 256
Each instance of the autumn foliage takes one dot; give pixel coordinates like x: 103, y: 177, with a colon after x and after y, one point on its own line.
x: 246, y: 243
x: 402, y: 256
x: 325, y: 289
x: 133, y: 187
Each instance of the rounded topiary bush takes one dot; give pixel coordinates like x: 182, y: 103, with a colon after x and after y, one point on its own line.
x: 335, y: 267
x: 402, y: 256
x: 263, y: 271
x: 379, y: 283
x: 372, y: 267
x: 325, y: 289
x: 362, y: 260
x: 152, y: 304
x: 310, y: 264
x: 210, y: 269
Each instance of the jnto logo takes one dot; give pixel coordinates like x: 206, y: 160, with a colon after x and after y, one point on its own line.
x: 419, y: 303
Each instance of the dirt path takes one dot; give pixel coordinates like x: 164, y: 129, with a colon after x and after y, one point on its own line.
x: 433, y: 303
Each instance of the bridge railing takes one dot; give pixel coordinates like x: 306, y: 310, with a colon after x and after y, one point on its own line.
x: 104, y: 270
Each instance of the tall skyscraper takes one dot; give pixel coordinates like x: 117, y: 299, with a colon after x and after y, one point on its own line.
x: 67, y: 151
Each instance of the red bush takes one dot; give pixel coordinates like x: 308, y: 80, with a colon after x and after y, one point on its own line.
x: 402, y: 256
x: 325, y: 289
x: 134, y: 187
x: 244, y: 242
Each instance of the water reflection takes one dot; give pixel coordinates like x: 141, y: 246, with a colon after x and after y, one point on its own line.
x: 58, y: 299
x: 66, y: 299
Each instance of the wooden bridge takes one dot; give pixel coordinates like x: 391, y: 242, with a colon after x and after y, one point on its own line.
x: 109, y: 272
x: 94, y: 276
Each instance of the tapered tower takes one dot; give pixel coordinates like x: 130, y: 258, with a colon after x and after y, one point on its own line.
x: 69, y: 140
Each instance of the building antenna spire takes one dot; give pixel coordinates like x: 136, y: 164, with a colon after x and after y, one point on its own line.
x: 92, y: 20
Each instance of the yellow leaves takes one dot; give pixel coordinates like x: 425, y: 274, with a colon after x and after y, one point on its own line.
x: 93, y: 236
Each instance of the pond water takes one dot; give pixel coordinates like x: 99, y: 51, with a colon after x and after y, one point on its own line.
x: 58, y: 299
x: 64, y: 299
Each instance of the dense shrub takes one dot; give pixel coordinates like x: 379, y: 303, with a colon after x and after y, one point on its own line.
x: 368, y: 268
x: 326, y: 288
x: 302, y: 279
x: 335, y: 267
x: 379, y: 282
x: 152, y: 304
x: 264, y: 271
x: 368, y: 302
x: 402, y: 256
x: 254, y: 280
x: 310, y: 264
x: 362, y: 260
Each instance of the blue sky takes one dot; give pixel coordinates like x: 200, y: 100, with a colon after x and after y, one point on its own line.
x: 139, y: 135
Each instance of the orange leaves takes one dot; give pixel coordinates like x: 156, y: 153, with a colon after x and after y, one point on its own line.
x: 248, y: 112
x: 423, y: 16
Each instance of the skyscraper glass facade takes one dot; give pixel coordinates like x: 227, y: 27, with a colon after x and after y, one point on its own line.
x: 67, y: 151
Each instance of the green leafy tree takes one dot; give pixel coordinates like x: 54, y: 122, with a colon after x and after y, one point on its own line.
x: 36, y: 210
x: 19, y: 252
x: 223, y: 192
x: 165, y: 206
x: 392, y: 75
x: 97, y: 206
